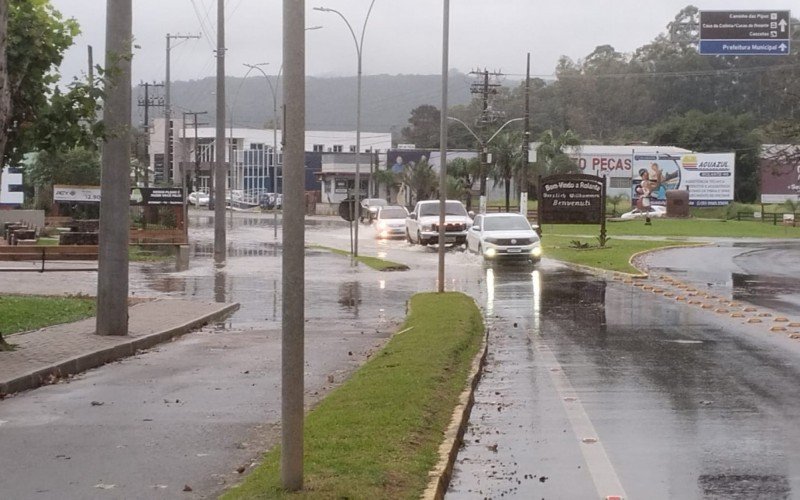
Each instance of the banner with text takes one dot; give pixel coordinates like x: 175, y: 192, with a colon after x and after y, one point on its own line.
x: 707, y: 176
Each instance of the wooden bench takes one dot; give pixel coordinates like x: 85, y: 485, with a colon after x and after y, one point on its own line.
x: 48, y: 254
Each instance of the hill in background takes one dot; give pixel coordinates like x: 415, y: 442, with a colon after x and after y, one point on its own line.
x: 386, y: 101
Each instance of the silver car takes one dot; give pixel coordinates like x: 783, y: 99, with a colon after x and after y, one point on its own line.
x: 390, y: 222
x: 504, y: 237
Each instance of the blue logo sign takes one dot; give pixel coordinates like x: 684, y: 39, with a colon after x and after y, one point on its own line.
x: 744, y: 47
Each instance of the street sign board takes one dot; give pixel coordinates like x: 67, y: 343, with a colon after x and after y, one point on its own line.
x: 745, y: 32
x: 571, y: 199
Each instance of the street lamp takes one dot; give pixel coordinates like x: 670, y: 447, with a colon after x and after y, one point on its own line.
x: 359, y: 48
x: 482, y: 146
x: 274, y: 137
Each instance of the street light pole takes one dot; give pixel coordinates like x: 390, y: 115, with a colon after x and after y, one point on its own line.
x: 483, y: 147
x: 274, y: 138
x: 359, y: 51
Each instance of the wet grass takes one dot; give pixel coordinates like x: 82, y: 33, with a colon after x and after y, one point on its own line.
x: 150, y: 253
x: 711, y: 228
x: 615, y: 256
x: 22, y: 313
x: 377, y: 435
x: 373, y: 262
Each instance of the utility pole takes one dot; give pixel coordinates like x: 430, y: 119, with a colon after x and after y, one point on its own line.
x: 147, y: 102
x: 219, y: 168
x: 91, y: 67
x: 293, y: 323
x: 484, y: 89
x: 194, y: 123
x: 443, y: 144
x: 112, y: 279
x: 526, y: 137
x: 168, y: 173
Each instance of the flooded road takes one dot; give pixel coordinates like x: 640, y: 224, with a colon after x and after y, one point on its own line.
x: 596, y: 388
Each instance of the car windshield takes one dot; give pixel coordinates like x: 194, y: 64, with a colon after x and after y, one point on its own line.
x: 508, y: 223
x: 450, y: 208
x: 393, y: 213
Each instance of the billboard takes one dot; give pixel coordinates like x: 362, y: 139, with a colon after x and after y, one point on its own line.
x: 780, y: 178
x: 707, y: 176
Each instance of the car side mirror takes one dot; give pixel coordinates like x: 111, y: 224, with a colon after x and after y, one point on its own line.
x: 471, y: 214
x: 476, y: 228
x: 412, y: 216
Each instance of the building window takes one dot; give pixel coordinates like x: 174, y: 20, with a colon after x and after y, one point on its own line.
x: 318, y: 148
x: 337, y: 148
x: 352, y: 149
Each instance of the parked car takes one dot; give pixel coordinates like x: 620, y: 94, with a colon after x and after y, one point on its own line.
x: 504, y: 237
x: 390, y: 222
x: 198, y: 198
x: 370, y: 207
x: 422, y: 225
x: 642, y: 213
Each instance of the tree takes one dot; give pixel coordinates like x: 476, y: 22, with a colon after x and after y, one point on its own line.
x: 423, y: 130
x: 35, y: 113
x: 80, y: 166
x: 718, y: 131
x: 550, y: 156
x: 420, y: 179
x: 507, y: 155
x: 466, y: 170
x: 387, y: 179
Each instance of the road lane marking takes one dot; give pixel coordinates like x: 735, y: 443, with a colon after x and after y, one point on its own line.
x: 605, y: 478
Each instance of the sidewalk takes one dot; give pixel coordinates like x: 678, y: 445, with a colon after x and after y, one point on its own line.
x: 44, y: 355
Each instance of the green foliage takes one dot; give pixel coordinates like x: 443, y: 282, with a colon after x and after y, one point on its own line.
x: 578, y: 244
x: 20, y: 313
x: 423, y: 131
x: 42, y: 115
x: 373, y: 262
x: 420, y: 178
x: 377, y: 436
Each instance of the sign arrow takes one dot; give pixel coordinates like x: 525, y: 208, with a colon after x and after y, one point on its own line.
x: 783, y: 24
x: 782, y: 47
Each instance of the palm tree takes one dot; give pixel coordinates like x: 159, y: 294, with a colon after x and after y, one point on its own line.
x: 551, y: 158
x: 387, y: 179
x: 466, y: 170
x: 616, y: 200
x: 506, y: 151
x: 420, y: 179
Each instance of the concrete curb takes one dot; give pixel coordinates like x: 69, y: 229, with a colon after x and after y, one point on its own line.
x: 93, y: 359
x: 439, y: 477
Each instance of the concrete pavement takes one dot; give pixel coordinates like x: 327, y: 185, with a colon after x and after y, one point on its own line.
x: 43, y: 356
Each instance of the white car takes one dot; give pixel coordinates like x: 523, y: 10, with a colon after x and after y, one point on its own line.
x: 422, y: 225
x: 370, y: 207
x: 504, y: 237
x: 652, y: 211
x: 390, y: 222
x: 198, y: 198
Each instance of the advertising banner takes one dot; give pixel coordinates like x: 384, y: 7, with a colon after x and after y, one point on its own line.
x: 76, y: 194
x: 707, y: 176
x: 780, y: 180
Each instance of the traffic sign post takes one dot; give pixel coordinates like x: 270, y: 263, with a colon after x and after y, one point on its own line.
x: 745, y: 32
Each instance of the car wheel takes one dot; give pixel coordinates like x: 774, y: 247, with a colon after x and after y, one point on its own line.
x: 420, y: 240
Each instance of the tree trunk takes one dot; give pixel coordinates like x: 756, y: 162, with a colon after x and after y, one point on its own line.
x: 508, y: 193
x: 5, y: 87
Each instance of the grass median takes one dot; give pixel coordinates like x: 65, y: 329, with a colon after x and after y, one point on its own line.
x: 373, y: 262
x: 377, y: 435
x: 22, y: 313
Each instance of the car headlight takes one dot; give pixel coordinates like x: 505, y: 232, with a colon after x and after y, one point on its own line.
x: 490, y: 252
x: 381, y: 226
x: 536, y: 251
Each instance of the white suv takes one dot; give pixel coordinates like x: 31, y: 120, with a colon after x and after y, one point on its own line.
x: 422, y: 225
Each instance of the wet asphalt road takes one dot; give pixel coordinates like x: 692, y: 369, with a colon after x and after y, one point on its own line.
x: 593, y: 387
x: 596, y: 387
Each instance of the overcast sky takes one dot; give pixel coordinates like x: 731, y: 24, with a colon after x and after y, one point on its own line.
x: 402, y: 36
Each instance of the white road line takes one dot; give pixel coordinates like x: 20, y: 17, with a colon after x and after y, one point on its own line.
x: 603, y: 474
